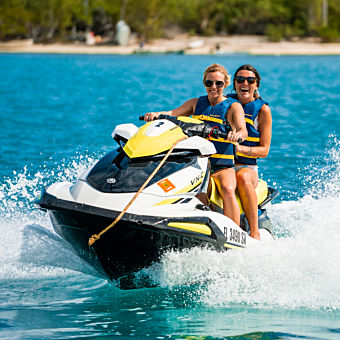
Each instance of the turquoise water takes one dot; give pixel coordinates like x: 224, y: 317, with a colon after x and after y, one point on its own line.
x: 57, y: 114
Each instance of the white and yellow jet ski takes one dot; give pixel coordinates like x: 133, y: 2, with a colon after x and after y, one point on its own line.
x: 165, y: 215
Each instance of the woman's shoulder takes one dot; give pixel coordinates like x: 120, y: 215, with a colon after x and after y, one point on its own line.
x: 265, y: 108
x: 193, y: 100
x: 236, y: 104
x: 265, y: 113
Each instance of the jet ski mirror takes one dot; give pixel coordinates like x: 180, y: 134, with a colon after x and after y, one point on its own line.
x: 123, y: 132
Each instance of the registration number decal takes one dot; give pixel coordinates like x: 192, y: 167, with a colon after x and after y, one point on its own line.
x: 235, y: 236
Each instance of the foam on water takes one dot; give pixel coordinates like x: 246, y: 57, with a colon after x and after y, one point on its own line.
x: 29, y: 248
x: 299, y: 270
x: 18, y: 192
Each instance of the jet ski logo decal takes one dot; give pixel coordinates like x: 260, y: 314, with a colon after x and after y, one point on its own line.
x: 198, y: 178
x: 166, y: 185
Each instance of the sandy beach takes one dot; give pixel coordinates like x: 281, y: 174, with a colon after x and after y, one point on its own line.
x: 254, y: 45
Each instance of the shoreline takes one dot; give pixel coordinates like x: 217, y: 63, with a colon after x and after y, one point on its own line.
x: 183, y: 44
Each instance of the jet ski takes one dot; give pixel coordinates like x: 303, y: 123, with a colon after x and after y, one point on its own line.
x: 148, y: 186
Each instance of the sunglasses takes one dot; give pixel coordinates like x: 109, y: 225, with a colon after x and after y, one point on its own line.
x: 218, y: 83
x: 241, y: 80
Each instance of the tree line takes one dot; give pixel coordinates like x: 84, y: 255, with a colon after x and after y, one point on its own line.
x: 51, y: 20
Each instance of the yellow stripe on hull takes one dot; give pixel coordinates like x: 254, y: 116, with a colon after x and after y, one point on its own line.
x: 231, y: 246
x: 188, y: 188
x: 194, y: 227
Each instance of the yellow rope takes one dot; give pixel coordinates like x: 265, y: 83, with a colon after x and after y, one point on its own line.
x: 96, y: 237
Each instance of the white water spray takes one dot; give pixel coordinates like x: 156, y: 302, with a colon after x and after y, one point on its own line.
x: 300, y: 269
x: 29, y: 248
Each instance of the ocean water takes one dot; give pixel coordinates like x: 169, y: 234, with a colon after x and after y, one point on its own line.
x: 57, y: 113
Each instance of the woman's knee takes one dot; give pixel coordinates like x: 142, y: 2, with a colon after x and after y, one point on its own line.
x: 244, y: 178
x: 228, y: 189
x: 226, y: 182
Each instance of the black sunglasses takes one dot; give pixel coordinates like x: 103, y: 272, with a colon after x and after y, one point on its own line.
x: 209, y: 83
x: 241, y: 80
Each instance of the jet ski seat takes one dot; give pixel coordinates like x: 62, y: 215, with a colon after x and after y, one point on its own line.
x: 216, y: 200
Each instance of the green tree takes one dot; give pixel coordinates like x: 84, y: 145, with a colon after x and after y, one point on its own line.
x: 48, y: 20
x: 13, y: 19
x: 51, y: 18
x: 148, y: 18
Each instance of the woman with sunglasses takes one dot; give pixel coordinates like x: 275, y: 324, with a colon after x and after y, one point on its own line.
x: 220, y: 111
x: 259, y: 125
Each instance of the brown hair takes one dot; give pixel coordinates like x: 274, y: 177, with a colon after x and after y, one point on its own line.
x: 248, y: 67
x: 217, y: 68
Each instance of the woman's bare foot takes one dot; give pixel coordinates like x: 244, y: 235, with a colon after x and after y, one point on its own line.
x: 255, y: 235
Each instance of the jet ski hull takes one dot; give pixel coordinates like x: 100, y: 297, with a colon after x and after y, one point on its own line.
x: 135, y: 242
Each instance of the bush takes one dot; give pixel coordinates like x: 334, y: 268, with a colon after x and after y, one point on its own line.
x: 328, y: 34
x: 274, y: 33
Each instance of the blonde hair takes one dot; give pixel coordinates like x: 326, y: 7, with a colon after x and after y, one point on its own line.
x: 217, y: 68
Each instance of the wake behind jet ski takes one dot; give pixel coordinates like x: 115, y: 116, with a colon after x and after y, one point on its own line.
x: 165, y: 215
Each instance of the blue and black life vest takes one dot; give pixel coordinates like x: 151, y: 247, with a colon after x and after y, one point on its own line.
x: 251, y: 111
x: 217, y: 116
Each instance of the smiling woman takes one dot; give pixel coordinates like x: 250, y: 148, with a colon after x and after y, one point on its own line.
x: 226, y: 114
x: 259, y: 125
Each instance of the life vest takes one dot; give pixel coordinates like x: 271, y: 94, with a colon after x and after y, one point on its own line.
x: 216, y: 116
x: 251, y: 111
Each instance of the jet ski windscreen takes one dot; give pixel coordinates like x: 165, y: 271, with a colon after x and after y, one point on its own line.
x: 117, y: 173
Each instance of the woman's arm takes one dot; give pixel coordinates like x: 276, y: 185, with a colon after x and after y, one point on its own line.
x: 186, y: 109
x: 265, y: 129
x: 235, y: 117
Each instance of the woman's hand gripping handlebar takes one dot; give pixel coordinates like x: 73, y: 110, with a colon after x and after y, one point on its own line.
x: 230, y: 136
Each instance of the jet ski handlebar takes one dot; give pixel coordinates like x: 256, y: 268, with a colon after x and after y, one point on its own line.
x: 195, y: 129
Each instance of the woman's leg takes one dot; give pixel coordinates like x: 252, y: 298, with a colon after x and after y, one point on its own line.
x: 247, y: 180
x: 226, y: 183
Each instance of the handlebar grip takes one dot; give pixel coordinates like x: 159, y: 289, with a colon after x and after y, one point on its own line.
x: 161, y: 116
x: 223, y: 135
x: 220, y: 134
